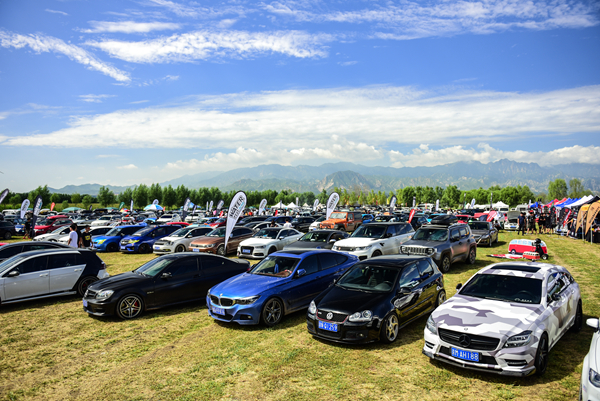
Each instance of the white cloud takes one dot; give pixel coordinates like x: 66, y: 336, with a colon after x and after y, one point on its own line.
x: 347, y: 63
x: 41, y: 43
x: 129, y: 27
x: 94, y: 98
x: 202, y: 45
x: 56, y: 12
x: 128, y: 167
x: 139, y: 102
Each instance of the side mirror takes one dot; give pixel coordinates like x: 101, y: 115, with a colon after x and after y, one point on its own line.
x: 166, y: 275
x: 555, y: 297
x: 300, y: 273
x: 388, y: 235
x: 13, y: 273
x: 331, y: 241
x: 404, y: 291
x: 458, y: 286
x: 593, y: 323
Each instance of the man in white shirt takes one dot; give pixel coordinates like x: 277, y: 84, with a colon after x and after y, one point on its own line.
x: 287, y: 224
x: 73, y: 237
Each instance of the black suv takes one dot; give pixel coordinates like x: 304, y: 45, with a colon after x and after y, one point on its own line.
x: 445, y: 244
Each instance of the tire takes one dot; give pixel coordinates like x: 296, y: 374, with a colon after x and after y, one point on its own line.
x: 341, y: 228
x: 389, y: 329
x: 272, y: 312
x: 441, y: 298
x: 541, y: 356
x: 445, y: 264
x: 130, y: 306
x: 144, y: 248
x: 271, y: 250
x: 545, y: 256
x: 376, y: 253
x: 578, y: 323
x: 180, y: 248
x: 7, y: 235
x: 472, y: 256
x: 84, y: 283
x: 513, y: 252
x: 221, y: 250
x: 112, y: 247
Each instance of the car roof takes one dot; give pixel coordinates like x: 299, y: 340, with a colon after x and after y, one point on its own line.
x: 534, y: 270
x: 394, y: 260
x: 51, y: 251
x: 55, y: 244
x: 386, y: 223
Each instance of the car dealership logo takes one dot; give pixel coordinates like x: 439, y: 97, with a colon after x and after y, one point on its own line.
x: 329, y: 316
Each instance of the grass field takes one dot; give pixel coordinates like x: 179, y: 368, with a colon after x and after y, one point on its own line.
x: 51, y: 350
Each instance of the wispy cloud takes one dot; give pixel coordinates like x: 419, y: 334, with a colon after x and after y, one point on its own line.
x: 94, y: 98
x: 129, y: 27
x: 182, y: 10
x: 128, y: 167
x: 139, y: 102
x: 41, y: 43
x: 56, y: 12
x: 347, y: 63
x: 202, y: 45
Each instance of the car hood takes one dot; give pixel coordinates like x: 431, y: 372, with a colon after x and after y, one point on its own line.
x: 345, y: 301
x: 305, y: 245
x: 209, y: 240
x: 258, y: 241
x: 354, y: 242
x: 480, y: 232
x: 427, y: 244
x: 247, y: 285
x: 485, y: 316
x: 105, y: 237
x: 118, y: 281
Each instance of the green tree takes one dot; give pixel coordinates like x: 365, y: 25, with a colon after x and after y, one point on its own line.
x: 75, y: 198
x: 140, y: 196
x: 576, y: 189
x: 169, y: 196
x: 557, y: 189
x: 525, y: 194
x: 106, y: 197
x: 55, y: 198
x: 510, y: 196
x: 452, y: 197
x: 183, y: 192
x: 155, y: 192
x: 44, y: 192
x: 87, y: 201
x: 16, y: 200
x: 407, y: 196
x: 64, y: 205
x: 126, y: 196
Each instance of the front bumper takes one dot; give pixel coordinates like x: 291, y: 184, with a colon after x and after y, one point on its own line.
x: 163, y: 248
x: 362, y: 254
x: 212, y: 250
x: 255, y: 253
x: 129, y: 248
x: 348, y: 333
x: 100, y: 308
x: 240, y: 314
x: 501, y: 361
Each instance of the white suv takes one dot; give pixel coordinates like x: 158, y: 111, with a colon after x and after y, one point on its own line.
x: 374, y: 239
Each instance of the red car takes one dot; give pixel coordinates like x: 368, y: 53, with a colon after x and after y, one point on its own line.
x: 51, y: 223
x: 219, y: 223
x: 463, y: 218
x: 177, y: 223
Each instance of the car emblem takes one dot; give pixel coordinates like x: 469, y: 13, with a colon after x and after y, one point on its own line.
x: 329, y: 316
x: 464, y: 340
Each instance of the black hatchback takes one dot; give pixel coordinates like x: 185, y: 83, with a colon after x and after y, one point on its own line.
x: 375, y: 298
x: 167, y: 280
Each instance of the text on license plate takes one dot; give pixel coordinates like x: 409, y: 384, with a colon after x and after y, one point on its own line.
x: 328, y: 326
x: 84, y: 303
x: 195, y: 249
x: 245, y: 250
x: 465, y: 355
x: 218, y: 311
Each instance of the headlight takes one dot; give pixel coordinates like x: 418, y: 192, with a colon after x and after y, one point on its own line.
x: 519, y: 340
x: 100, y: 241
x: 312, y: 308
x: 594, y: 378
x: 260, y: 247
x: 403, y: 249
x: 336, y: 248
x: 431, y: 325
x: 167, y: 243
x: 104, y: 294
x: 430, y: 251
x: 133, y: 241
x: 210, y: 245
x: 247, y: 300
x: 485, y: 236
x: 362, y: 248
x: 364, y: 316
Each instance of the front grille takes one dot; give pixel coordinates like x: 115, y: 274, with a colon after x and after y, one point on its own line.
x: 215, y: 300
x: 227, y: 302
x: 485, y: 359
x: 250, y: 248
x: 221, y: 301
x: 345, y: 248
x: 416, y: 250
x: 90, y: 294
x: 474, y: 342
x: 159, y: 243
x: 336, y: 317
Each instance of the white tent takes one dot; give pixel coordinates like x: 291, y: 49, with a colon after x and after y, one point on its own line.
x: 291, y: 206
x: 498, y: 205
x: 279, y: 205
x: 581, y: 201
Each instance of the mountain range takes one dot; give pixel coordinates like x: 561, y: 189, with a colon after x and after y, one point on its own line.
x: 465, y: 175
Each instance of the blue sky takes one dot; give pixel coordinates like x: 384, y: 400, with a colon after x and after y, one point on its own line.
x: 123, y: 92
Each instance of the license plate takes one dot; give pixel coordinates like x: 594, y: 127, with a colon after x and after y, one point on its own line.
x: 465, y: 355
x: 245, y: 250
x: 218, y: 311
x: 195, y: 250
x: 156, y: 247
x: 84, y: 303
x: 328, y: 326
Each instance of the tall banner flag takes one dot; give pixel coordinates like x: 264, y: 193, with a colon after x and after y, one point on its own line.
x: 491, y: 199
x: 464, y: 199
x: 52, y: 206
x: 131, y: 205
x: 194, y: 209
x: 90, y: 208
x: 472, y: 203
x: 315, y: 205
x: 236, y: 208
x: 411, y: 215
x: 122, y: 205
x: 155, y: 202
x: 393, y: 204
x: 37, y: 207
x: 186, y: 207
x: 414, y: 201
x: 24, y: 207
x: 529, y: 206
x: 262, y: 206
x: 220, y: 205
x: 437, y: 205
x: 3, y: 195
x: 297, y: 202
x: 332, y: 202
x: 210, y: 205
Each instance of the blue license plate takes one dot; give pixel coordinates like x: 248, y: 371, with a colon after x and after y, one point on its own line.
x: 156, y: 247
x: 245, y: 250
x: 465, y: 355
x: 195, y: 250
x: 218, y: 311
x: 84, y: 303
x: 328, y: 326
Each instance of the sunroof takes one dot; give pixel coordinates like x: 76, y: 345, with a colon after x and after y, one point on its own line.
x: 521, y: 268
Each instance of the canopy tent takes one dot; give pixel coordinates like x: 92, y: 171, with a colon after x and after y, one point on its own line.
x: 499, y: 204
x: 291, y: 206
x: 71, y: 209
x: 582, y: 201
x: 534, y: 205
x: 592, y: 212
x: 279, y: 205
x: 154, y: 207
x: 581, y: 216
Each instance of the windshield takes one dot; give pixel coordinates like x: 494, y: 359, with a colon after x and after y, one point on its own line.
x: 320, y: 219
x: 431, y: 234
x: 337, y: 216
x: 10, y: 262
x: 478, y: 225
x: 369, y: 231
x: 144, y: 231
x: 182, y: 232
x: 315, y: 236
x: 265, y: 233
x: 217, y: 232
x: 166, y: 216
x: 45, y: 222
x: 58, y: 230
x: 369, y: 278
x: 504, y: 288
x: 276, y: 266
x: 153, y: 267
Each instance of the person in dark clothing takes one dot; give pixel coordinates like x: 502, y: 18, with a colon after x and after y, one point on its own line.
x: 542, y: 222
x: 531, y: 222
x: 27, y: 228
x: 86, y: 237
x: 521, y: 229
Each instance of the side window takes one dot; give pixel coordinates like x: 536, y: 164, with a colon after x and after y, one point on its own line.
x: 555, y: 285
x: 62, y: 260
x: 410, y: 276
x: 310, y: 264
x: 33, y: 265
x: 212, y: 265
x: 425, y: 268
x: 463, y: 232
x: 159, y: 232
x: 340, y: 258
x: 328, y: 260
x: 197, y: 233
x: 391, y: 230
x: 184, y: 267
x: 454, y: 235
x: 235, y: 232
x: 9, y: 252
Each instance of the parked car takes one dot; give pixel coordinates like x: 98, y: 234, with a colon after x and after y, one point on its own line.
x: 143, y: 240
x: 302, y: 223
x: 168, y: 218
x: 109, y: 242
x: 166, y: 280
x: 256, y: 226
x: 267, y: 241
x: 590, y: 376
x: 105, y: 220
x: 316, y: 225
x: 51, y: 223
x: 375, y: 239
x: 54, y: 236
x: 445, y: 245
x: 7, y: 230
x: 251, y: 219
x: 317, y: 239
x: 281, y: 219
x: 505, y: 319
x: 94, y: 232
x: 512, y: 220
x: 344, y: 221
x: 49, y: 272
x: 375, y: 298
x: 19, y: 224
x: 180, y: 240
x: 194, y: 217
x: 9, y: 250
x: 214, y: 241
x: 280, y: 284
x: 484, y: 232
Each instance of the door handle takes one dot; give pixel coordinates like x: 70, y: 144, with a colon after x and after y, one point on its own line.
x: 44, y: 275
x: 78, y: 270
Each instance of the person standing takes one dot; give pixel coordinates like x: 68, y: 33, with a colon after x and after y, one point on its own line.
x: 27, y: 228
x: 531, y: 222
x: 86, y: 238
x: 542, y: 223
x: 287, y: 224
x: 521, y: 229
x: 73, y: 237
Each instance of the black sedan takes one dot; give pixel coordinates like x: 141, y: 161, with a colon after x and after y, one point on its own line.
x: 302, y: 223
x: 10, y: 250
x: 375, y: 298
x: 317, y: 239
x: 167, y: 280
x: 7, y: 230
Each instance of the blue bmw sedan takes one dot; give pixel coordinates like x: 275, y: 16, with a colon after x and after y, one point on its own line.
x: 282, y: 283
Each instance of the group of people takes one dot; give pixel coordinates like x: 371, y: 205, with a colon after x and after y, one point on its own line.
x: 546, y: 223
x: 78, y: 239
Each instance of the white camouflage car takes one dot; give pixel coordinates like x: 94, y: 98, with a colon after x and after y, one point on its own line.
x: 375, y: 239
x: 267, y: 241
x: 505, y: 319
x: 590, y: 373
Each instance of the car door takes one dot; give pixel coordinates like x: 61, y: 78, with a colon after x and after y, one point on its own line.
x: 409, y: 301
x: 428, y: 284
x: 457, y: 246
x: 561, y: 302
x: 177, y: 282
x: 65, y: 269
x: 302, y: 290
x: 406, y: 233
x: 389, y: 242
x: 238, y: 235
x: 214, y: 270
x: 32, y: 279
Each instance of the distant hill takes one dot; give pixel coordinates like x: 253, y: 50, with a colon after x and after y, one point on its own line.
x: 88, y: 189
